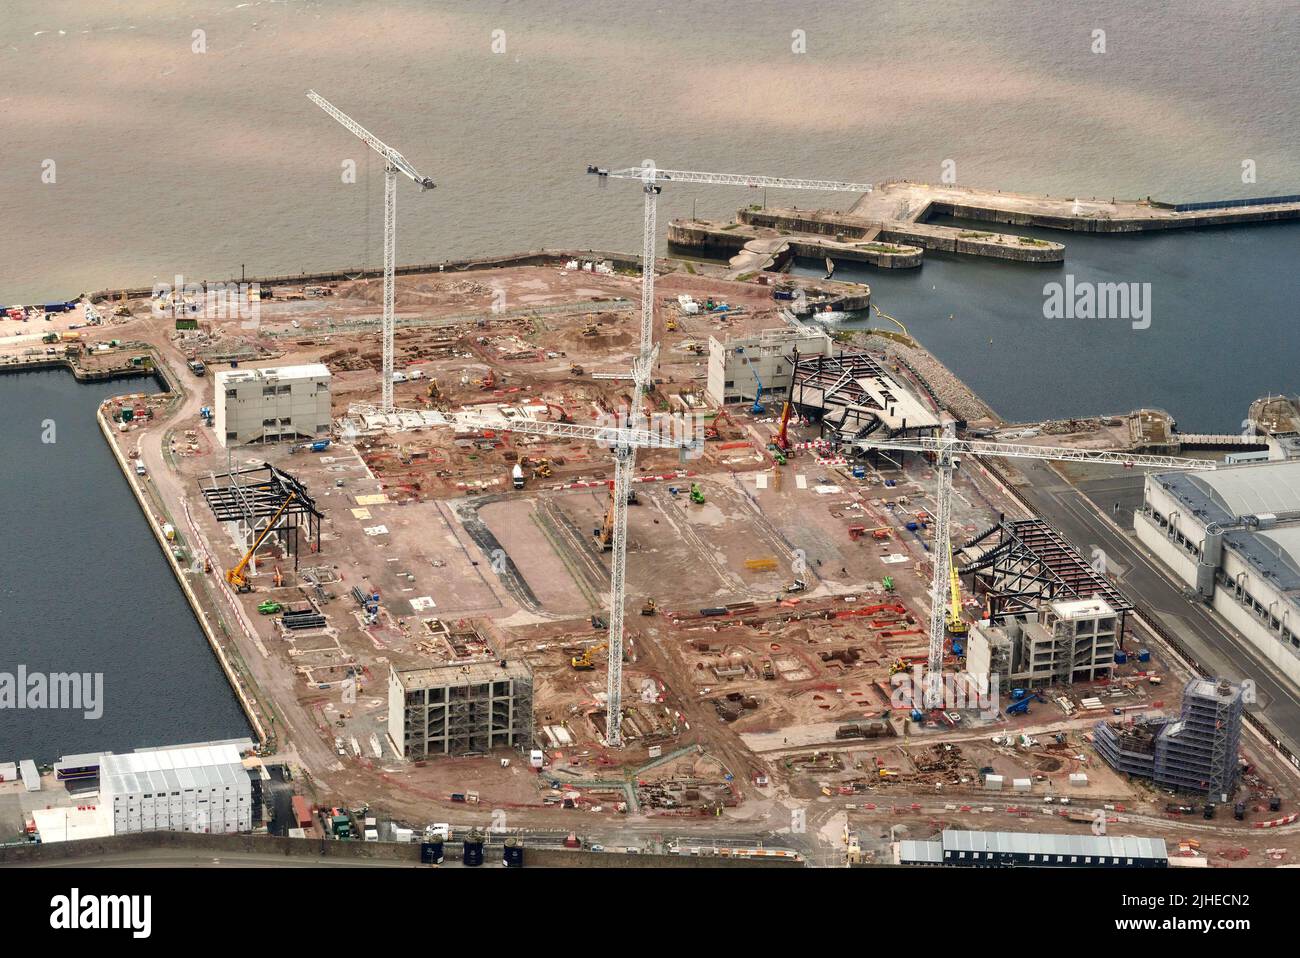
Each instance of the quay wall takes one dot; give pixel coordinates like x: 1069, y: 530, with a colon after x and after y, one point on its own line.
x: 1101, y: 224
x: 542, y: 257
x: 134, y: 483
x: 399, y: 854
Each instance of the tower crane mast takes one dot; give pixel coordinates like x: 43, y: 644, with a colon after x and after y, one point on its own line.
x: 946, y: 449
x: 394, y: 163
x: 650, y: 176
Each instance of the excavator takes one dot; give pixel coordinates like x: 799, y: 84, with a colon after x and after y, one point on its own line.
x: 584, y: 662
x: 236, y: 576
x: 542, y: 469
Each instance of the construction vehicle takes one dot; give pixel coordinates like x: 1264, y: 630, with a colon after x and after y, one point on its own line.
x: 394, y: 163
x: 783, y: 433
x: 697, y: 494
x: 196, y: 366
x: 956, y: 627
x: 769, y: 673
x: 898, y: 666
x: 798, y: 585
x: 887, y: 583
x: 543, y: 469
x: 236, y: 576
x: 489, y: 381
x: 1021, y: 705
x: 270, y: 607
x: 778, y: 456
x: 584, y: 662
x: 650, y: 607
x: 517, y: 476
x: 758, y: 408
x: 946, y: 450
x: 432, y: 391
x: 576, y: 370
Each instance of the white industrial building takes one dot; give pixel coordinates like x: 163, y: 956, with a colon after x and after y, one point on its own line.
x: 192, y: 788
x: 272, y: 404
x: 1233, y: 536
x: 1070, y: 641
x: 733, y: 363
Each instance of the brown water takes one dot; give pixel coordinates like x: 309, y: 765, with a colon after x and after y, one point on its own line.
x: 173, y: 161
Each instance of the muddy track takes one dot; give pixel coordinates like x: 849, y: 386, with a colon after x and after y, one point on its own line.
x: 507, y: 572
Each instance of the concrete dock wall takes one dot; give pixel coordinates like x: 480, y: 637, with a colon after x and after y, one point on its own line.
x: 399, y: 854
x: 1105, y: 224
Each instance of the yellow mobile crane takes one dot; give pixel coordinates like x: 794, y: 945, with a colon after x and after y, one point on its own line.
x: 955, y: 624
x: 236, y: 575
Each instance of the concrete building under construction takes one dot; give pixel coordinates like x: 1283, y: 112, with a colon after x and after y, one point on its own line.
x: 456, y: 709
x: 1069, y: 641
x: 1196, y: 752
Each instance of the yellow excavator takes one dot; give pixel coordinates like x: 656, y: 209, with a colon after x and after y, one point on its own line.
x: 236, y: 576
x: 584, y: 663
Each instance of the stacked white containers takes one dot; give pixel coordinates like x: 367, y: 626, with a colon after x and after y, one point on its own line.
x: 203, y: 788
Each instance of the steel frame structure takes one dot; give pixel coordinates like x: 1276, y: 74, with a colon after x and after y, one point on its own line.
x: 253, y: 495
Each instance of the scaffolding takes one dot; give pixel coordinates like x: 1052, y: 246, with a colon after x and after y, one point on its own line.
x: 1197, y: 752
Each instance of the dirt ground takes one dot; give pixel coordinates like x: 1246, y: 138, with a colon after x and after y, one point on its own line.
x: 738, y: 674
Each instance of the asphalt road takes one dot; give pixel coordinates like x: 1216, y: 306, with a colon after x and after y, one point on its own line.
x: 1214, y: 644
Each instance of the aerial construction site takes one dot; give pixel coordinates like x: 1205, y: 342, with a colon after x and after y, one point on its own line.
x: 648, y: 553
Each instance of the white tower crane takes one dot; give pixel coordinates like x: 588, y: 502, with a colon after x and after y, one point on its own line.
x: 394, y: 163
x: 623, y: 438
x: 946, y: 449
x: 649, y: 175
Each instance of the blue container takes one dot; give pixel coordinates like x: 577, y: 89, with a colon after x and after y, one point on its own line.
x: 916, y: 715
x: 431, y: 853
x: 859, y: 472
x: 1017, y: 693
x: 1121, y: 657
x: 1144, y: 655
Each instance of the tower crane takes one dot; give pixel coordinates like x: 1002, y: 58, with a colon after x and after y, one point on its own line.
x: 650, y: 176
x: 947, y: 449
x: 623, y: 438
x: 394, y: 163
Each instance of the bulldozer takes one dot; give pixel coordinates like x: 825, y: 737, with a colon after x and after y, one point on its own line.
x: 576, y: 370
x: 542, y: 470
x: 650, y: 607
x: 584, y: 662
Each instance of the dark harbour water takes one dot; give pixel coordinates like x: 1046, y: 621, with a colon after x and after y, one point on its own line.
x: 1224, y: 323
x: 85, y: 587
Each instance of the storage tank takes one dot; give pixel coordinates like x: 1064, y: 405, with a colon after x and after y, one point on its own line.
x: 431, y: 853
x: 473, y: 850
x: 512, y: 855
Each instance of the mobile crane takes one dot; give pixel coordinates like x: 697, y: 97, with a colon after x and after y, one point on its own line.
x: 236, y: 576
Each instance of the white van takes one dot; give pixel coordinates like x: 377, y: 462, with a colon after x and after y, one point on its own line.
x: 140, y: 469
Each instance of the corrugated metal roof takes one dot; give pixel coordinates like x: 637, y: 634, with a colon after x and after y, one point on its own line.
x: 912, y: 851
x: 1038, y: 843
x: 1253, y: 488
x: 169, y: 770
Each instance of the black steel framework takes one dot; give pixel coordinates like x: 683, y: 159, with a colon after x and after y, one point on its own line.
x: 824, y: 385
x: 1031, y: 563
x: 255, y: 494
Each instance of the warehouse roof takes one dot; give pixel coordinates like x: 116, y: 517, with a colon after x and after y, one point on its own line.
x: 173, y: 769
x: 1225, y: 495
x: 1037, y: 843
